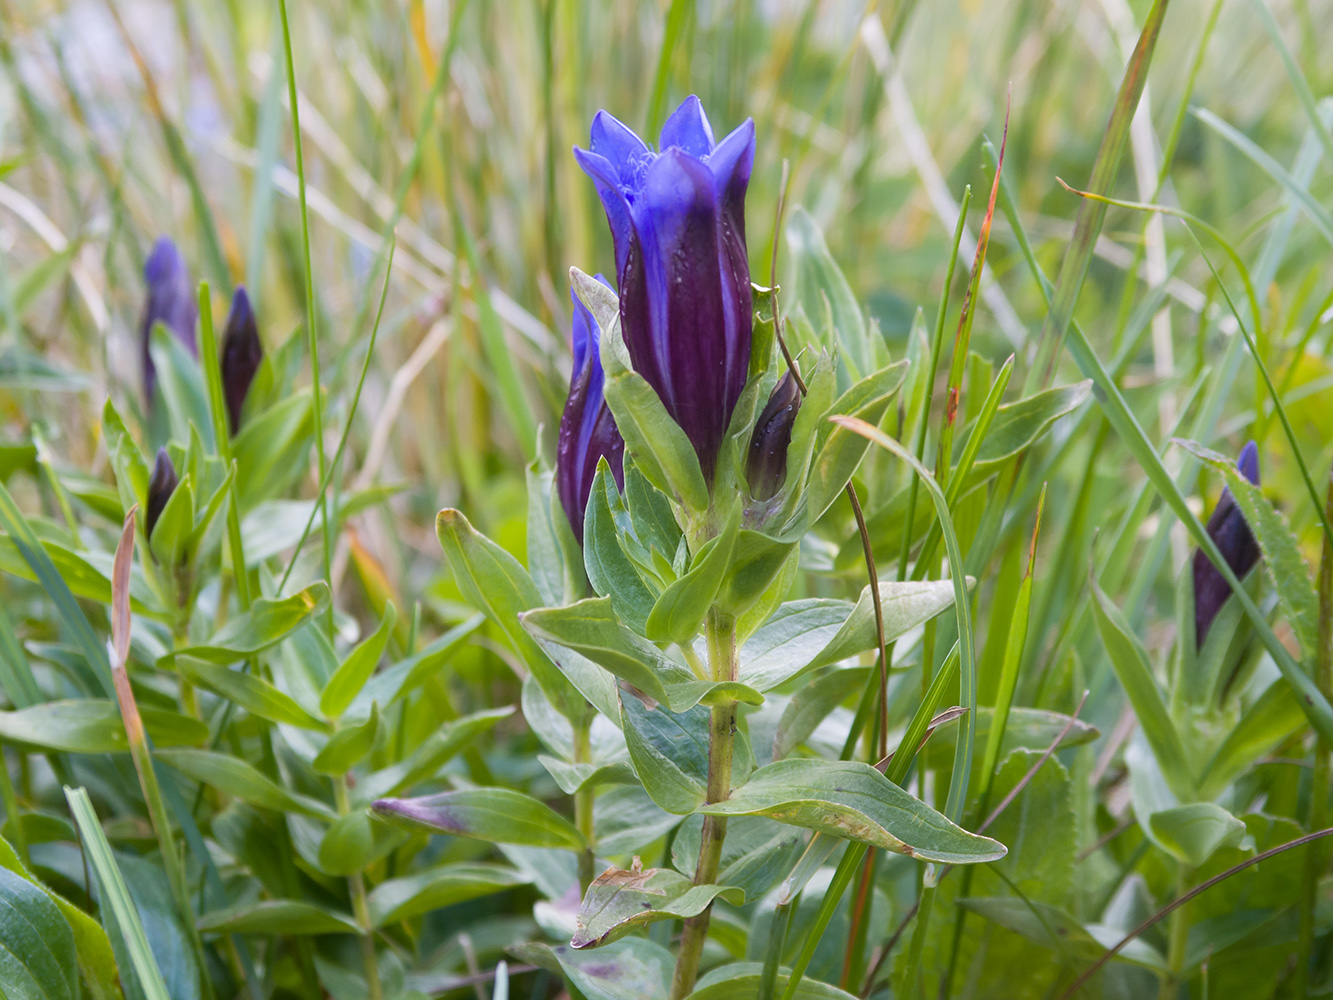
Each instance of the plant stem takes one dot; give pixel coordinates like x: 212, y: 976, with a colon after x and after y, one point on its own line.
x: 356, y: 884
x: 1315, y: 855
x: 721, y: 632
x: 583, y: 804
x: 1177, y: 939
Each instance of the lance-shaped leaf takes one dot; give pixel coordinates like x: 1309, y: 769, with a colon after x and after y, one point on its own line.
x: 1053, y: 928
x: 93, y: 725
x: 838, y: 450
x: 435, y: 888
x: 431, y: 755
x: 1018, y: 425
x: 498, y: 815
x: 755, y: 561
x: 493, y: 582
x: 905, y: 605
x: 1282, y: 555
x: 266, y: 624
x: 619, y: 901
x: 669, y: 752
x: 347, y: 746
x: 590, y: 627
x: 660, y: 447
x: 609, y: 569
x: 579, y: 776
x: 37, y: 955
x: 355, y: 841
x: 254, y: 694
x: 239, y: 779
x: 854, y: 801
x: 1130, y: 662
x: 352, y: 674
x: 1192, y: 832
x: 278, y: 916
x: 680, y: 611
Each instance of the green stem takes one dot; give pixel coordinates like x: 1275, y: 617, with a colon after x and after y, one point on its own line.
x: 583, y: 804
x: 1178, y: 932
x: 721, y: 632
x: 926, y: 904
x: 356, y: 884
x: 777, y: 938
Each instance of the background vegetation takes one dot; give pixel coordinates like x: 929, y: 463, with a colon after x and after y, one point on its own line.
x: 451, y: 125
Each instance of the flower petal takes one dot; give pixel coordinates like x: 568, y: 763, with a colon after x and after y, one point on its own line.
x: 688, y: 129
x: 618, y: 143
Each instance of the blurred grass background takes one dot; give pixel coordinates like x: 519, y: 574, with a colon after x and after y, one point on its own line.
x: 124, y: 119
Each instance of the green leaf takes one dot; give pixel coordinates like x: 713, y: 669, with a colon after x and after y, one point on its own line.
x: 405, y: 676
x: 821, y: 288
x: 356, y: 841
x: 554, y: 556
x: 669, y: 752
x: 91, y: 725
x: 813, y: 703
x: 838, y: 450
x: 498, y: 815
x: 756, y: 561
x: 37, y: 956
x: 659, y: 445
x: 233, y: 776
x: 347, y: 746
x: 905, y: 606
x: 254, y: 694
x: 115, y: 896
x: 1282, y: 555
x: 1055, y: 929
x: 854, y: 801
x: 790, y: 639
x: 1026, y: 729
x: 680, y: 611
x: 422, y: 763
x: 266, y: 624
x: 97, y: 962
x: 270, y: 451
x: 1130, y: 662
x: 353, y: 672
x: 1192, y: 832
x: 633, y: 968
x: 435, y: 888
x: 741, y: 982
x: 576, y: 777
x: 1271, y: 720
x: 493, y: 582
x: 620, y: 901
x: 756, y: 855
x: 277, y: 916
x: 1020, y: 424
x: 609, y: 569
x: 591, y: 628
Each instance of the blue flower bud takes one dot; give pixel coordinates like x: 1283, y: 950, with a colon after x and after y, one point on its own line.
x: 161, y: 484
x: 241, y: 354
x: 1234, y: 540
x: 678, y: 221
x: 587, y: 430
x: 766, y: 467
x: 171, y: 302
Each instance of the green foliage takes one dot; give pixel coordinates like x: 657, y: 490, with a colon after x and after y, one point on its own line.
x: 665, y: 763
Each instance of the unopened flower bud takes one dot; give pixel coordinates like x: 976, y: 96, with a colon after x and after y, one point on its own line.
x: 1234, y: 540
x: 161, y: 485
x: 766, y: 467
x: 241, y: 354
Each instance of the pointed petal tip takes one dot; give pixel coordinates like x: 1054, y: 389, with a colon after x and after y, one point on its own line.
x: 1248, y: 462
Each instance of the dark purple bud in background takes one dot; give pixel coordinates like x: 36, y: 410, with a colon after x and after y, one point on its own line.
x: 766, y: 467
x: 1236, y: 542
x: 241, y: 354
x: 171, y: 301
x: 161, y: 484
x: 587, y: 430
x: 678, y: 221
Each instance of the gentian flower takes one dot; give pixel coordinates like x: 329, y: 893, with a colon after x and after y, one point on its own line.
x: 161, y: 484
x: 677, y: 217
x: 766, y: 467
x: 171, y: 302
x: 241, y: 354
x: 1236, y: 542
x: 587, y: 429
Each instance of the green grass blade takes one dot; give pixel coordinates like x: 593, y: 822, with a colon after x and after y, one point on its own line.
x: 115, y: 896
x: 1298, y: 81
